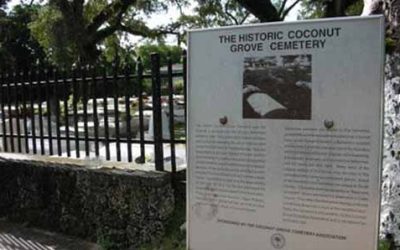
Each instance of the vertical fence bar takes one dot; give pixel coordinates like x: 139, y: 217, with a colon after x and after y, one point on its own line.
x: 10, y: 115
x: 105, y: 107
x: 116, y: 113
x: 41, y: 133
x: 66, y: 113
x: 171, y: 116
x: 95, y: 113
x: 85, y: 113
x: 17, y: 114
x: 157, y: 113
x: 75, y: 110
x: 184, y: 62
x: 25, y: 111
x: 3, y: 113
x: 32, y: 92
x: 141, y: 118
x: 48, y: 105
x: 128, y: 114
x: 57, y: 109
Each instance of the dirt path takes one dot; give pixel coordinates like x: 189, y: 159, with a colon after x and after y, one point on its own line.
x: 17, y: 237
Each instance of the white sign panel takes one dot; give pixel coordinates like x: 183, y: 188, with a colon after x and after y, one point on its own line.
x: 285, y: 135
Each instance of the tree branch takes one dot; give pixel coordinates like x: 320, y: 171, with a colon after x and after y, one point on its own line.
x: 77, y: 7
x: 149, y: 33
x: 106, y: 32
x: 180, y: 8
x: 103, y: 34
x: 229, y: 14
x: 282, y: 7
x: 336, y: 8
x: 264, y: 10
x: 108, y: 12
x: 284, y: 14
x: 244, y: 18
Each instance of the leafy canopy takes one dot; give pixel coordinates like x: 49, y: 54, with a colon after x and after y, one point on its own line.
x: 78, y: 31
x: 18, y: 48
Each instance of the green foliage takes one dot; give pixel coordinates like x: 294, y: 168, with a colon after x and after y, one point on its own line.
x: 355, y: 9
x: 74, y: 32
x: 214, y: 13
x: 311, y: 9
x: 18, y: 48
x: 48, y: 30
x: 105, y: 243
x: 180, y: 131
x: 165, y: 52
x: 96, y: 31
x: 115, y: 55
x: 147, y: 87
x: 93, y: 7
x: 383, y: 245
x: 390, y: 45
x: 178, y: 87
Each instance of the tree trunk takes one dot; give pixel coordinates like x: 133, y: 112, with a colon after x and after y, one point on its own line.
x: 390, y: 210
x: 391, y: 10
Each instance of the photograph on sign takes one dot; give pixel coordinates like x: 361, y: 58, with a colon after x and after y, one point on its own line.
x: 285, y: 135
x: 270, y: 83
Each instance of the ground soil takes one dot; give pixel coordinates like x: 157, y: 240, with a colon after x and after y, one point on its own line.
x: 21, y: 237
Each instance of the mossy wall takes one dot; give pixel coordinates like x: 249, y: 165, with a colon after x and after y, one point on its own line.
x: 117, y: 208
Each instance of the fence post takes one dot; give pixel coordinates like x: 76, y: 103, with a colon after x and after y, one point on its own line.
x: 157, y: 119
x: 128, y: 111
x: 116, y: 110
x: 141, y: 119
x: 25, y: 110
x: 10, y: 115
x: 3, y: 113
x: 49, y: 108
x: 171, y: 115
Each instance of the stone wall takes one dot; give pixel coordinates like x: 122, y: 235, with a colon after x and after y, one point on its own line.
x: 119, y: 209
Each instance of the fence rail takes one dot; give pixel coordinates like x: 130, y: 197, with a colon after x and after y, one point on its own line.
x: 88, y: 113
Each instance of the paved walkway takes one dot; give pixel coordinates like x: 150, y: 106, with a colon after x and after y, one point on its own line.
x: 18, y: 237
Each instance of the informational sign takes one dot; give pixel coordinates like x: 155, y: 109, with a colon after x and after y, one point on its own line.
x: 285, y: 135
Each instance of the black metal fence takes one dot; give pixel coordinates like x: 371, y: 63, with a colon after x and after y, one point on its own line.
x: 88, y: 112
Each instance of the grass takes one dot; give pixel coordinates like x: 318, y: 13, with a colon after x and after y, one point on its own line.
x: 180, y: 131
x: 383, y: 245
